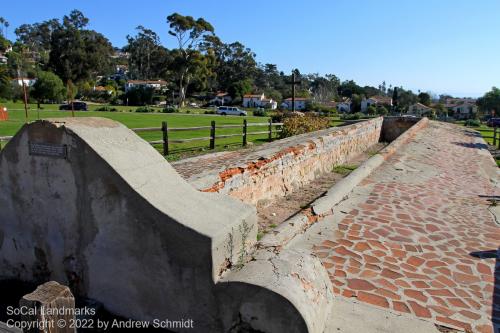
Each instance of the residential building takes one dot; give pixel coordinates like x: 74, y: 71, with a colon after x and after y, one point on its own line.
x: 253, y: 100
x: 419, y: 110
x: 461, y: 108
x: 27, y: 81
x: 156, y: 85
x: 344, y: 106
x: 221, y: 98
x: 376, y: 101
x: 300, y: 103
x: 269, y: 103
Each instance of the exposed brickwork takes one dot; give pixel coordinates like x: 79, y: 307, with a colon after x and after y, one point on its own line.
x: 280, y: 167
x: 409, y: 244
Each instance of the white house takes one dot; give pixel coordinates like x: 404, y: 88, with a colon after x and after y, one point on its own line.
x: 252, y: 101
x: 222, y: 98
x: 156, y: 85
x: 419, y: 110
x: 344, y: 106
x: 300, y: 103
x: 27, y: 81
x: 464, y: 111
x: 375, y: 101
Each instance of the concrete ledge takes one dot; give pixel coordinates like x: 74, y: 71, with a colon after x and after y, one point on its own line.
x: 295, y: 293
x: 345, y: 186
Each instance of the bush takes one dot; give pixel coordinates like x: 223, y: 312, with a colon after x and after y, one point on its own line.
x: 260, y: 113
x: 472, y: 123
x: 209, y: 112
x: 107, y: 109
x: 144, y: 109
x: 296, y: 125
x: 278, y: 117
x: 354, y: 116
x: 169, y: 109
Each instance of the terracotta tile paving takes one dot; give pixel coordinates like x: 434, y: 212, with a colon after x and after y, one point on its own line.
x: 408, y: 246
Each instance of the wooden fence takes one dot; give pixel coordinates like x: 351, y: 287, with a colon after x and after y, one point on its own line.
x: 495, y: 137
x: 166, y: 140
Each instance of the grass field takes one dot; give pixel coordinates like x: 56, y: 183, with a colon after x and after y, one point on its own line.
x: 138, y: 120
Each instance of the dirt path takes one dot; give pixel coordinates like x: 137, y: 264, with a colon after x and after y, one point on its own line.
x: 283, y: 208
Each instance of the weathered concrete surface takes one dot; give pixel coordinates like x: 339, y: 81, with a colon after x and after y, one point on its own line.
x: 115, y: 222
x: 259, y: 175
x: 415, y: 237
x: 393, y: 127
x: 351, y: 316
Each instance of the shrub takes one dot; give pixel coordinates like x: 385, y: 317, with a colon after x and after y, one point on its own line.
x: 260, y: 113
x: 296, y: 125
x: 472, y: 123
x: 354, y: 116
x: 278, y: 117
x: 144, y: 109
x: 170, y: 109
x: 209, y: 112
x: 107, y: 109
x: 382, y: 111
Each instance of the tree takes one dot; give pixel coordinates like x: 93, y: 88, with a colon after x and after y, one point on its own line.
x: 490, y: 101
x: 48, y: 87
x: 190, y: 34
x: 371, y: 110
x: 77, y: 54
x: 382, y: 110
x: 424, y: 98
x: 148, y: 59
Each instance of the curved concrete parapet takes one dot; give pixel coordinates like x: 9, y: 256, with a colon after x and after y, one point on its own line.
x: 87, y: 203
x: 295, y: 294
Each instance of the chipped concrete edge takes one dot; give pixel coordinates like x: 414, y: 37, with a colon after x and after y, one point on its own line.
x: 323, y: 206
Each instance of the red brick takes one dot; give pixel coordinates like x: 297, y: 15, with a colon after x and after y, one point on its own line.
x: 401, y: 307
x: 419, y: 310
x: 339, y: 273
x: 471, y: 315
x: 435, y: 263
x: 483, y: 268
x: 415, y: 261
x: 446, y: 281
x: 388, y: 294
x: 402, y: 283
x: 442, y: 310
x: 348, y: 293
x: 337, y: 260
x: 386, y: 284
x: 420, y: 284
x: 465, y: 278
x: 329, y: 243
x: 457, y: 302
x: 358, y: 284
x: 373, y: 299
x: 368, y: 274
x: 362, y: 246
x: 398, y: 253
x: 415, y: 294
x: 464, y: 268
x: 454, y: 323
x: 390, y: 274
x: 440, y: 292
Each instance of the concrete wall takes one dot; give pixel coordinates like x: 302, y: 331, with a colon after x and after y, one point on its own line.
x: 393, y: 127
x: 96, y: 208
x: 279, y: 171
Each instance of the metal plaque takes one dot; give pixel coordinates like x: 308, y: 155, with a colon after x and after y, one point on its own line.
x: 47, y: 149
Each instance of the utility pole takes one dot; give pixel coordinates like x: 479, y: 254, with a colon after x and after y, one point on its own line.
x: 293, y: 83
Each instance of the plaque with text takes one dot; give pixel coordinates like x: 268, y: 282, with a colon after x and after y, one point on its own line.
x: 49, y: 150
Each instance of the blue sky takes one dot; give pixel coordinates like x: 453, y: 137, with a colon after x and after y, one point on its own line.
x: 443, y: 46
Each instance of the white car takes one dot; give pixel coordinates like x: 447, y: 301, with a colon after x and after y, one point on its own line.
x: 229, y: 110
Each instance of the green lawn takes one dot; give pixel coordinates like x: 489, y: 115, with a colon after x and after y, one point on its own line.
x: 138, y: 120
x: 131, y: 119
x: 487, y: 134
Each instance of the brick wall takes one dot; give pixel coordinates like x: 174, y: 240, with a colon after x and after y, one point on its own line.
x: 281, y: 171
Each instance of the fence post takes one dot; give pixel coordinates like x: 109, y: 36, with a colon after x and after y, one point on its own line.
x: 244, y: 132
x: 164, y: 129
x: 212, y: 135
x: 494, y: 136
x: 270, y: 130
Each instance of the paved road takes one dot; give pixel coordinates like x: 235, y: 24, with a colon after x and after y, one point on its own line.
x: 415, y: 238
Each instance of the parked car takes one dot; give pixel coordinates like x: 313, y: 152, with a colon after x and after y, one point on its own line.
x: 77, y: 106
x: 229, y: 110
x: 493, y: 122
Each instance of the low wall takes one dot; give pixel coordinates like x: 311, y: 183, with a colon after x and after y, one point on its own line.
x: 280, y: 171
x: 393, y: 127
